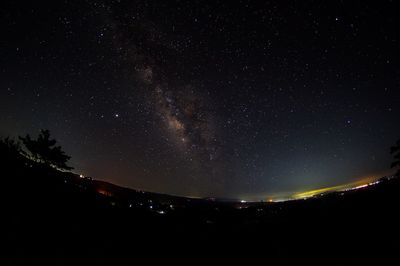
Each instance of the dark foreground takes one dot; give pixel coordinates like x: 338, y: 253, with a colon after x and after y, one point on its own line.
x: 54, y: 218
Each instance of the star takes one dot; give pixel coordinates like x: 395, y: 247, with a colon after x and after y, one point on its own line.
x: 201, y: 101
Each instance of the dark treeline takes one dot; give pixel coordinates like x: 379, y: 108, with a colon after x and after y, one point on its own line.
x: 395, y: 151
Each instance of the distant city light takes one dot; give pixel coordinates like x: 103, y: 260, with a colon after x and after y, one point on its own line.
x: 340, y: 188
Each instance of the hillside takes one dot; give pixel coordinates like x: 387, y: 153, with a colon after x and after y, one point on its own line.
x: 57, y: 216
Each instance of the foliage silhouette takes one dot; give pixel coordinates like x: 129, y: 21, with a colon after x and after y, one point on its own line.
x: 8, y: 145
x: 395, y: 150
x: 44, y: 150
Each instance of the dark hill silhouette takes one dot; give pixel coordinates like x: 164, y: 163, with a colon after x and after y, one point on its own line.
x: 58, y: 218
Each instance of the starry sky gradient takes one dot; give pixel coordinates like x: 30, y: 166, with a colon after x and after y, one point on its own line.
x: 206, y: 98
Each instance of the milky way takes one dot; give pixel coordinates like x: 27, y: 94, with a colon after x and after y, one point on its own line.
x: 229, y: 99
x: 185, y: 114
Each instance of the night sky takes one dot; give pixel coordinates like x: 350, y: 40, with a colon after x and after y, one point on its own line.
x: 197, y: 98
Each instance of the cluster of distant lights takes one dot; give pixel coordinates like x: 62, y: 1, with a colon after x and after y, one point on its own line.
x: 361, y: 186
x: 151, y: 207
x: 341, y: 190
x: 131, y: 205
x: 312, y: 195
x: 244, y: 204
x: 140, y: 204
x: 270, y: 200
x: 171, y: 207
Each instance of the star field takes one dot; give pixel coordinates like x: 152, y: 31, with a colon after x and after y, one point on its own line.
x: 207, y: 98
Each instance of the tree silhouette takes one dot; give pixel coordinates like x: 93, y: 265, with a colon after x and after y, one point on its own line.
x: 10, y: 145
x: 395, y: 150
x: 10, y: 149
x: 43, y: 150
